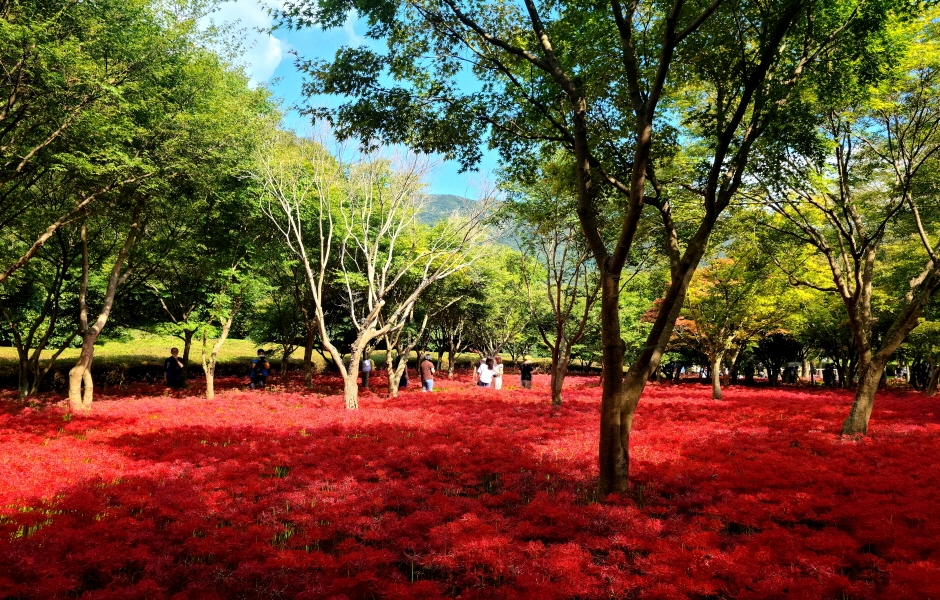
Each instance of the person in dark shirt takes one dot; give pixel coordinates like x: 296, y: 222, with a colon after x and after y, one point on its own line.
x: 259, y: 371
x: 426, y: 369
x: 525, y: 373
x: 173, y: 370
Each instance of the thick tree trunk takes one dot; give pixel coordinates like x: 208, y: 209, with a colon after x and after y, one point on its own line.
x: 351, y: 389
x: 860, y: 413
x: 81, y: 386
x: 560, y: 363
x: 772, y: 376
x: 715, y: 368
x: 612, y: 452
x: 393, y: 381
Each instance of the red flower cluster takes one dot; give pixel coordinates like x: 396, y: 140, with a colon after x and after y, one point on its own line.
x: 469, y: 494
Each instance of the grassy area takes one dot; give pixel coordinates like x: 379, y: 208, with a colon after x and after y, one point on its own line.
x: 141, y: 358
x: 145, y: 349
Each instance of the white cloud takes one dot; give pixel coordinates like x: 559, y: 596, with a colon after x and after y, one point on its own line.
x: 349, y: 27
x: 259, y: 52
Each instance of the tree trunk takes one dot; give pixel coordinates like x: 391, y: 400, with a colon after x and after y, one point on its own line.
x: 80, y: 399
x: 209, y: 362
x: 81, y: 386
x: 23, y: 385
x: 351, y: 389
x: 451, y: 355
x: 857, y: 421
x: 772, y: 375
x: 308, y: 357
x: 285, y: 361
x: 560, y: 363
x: 733, y: 372
x: 931, y: 390
x: 715, y: 368
x: 187, y: 347
x: 612, y: 451
x: 393, y: 381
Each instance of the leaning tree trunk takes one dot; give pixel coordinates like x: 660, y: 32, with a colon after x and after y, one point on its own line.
x: 860, y: 413
x: 715, y: 368
x: 209, y: 361
x: 395, y: 374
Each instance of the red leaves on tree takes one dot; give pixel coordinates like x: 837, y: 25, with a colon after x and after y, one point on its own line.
x: 468, y: 493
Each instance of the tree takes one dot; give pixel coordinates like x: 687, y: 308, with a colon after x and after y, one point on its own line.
x: 923, y: 347
x: 450, y: 329
x: 370, y: 207
x: 776, y: 350
x: 174, y: 135
x: 504, y: 315
x: 873, y: 191
x: 77, y: 77
x: 241, y: 287
x: 563, y: 290
x: 617, y: 88
x: 38, y: 309
x: 734, y: 297
x: 277, y: 317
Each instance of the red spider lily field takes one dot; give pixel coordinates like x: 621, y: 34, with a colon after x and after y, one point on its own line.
x: 465, y: 493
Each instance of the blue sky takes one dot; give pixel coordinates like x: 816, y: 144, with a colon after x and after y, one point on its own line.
x: 269, y: 60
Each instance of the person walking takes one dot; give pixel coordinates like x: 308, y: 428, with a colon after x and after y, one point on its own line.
x: 259, y: 371
x: 173, y: 370
x: 485, y: 372
x: 525, y: 373
x: 426, y: 368
x: 366, y: 369
x: 498, y: 372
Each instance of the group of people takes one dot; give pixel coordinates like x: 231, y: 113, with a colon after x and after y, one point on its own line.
x: 487, y: 372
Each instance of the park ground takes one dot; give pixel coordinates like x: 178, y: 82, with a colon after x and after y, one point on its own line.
x: 466, y: 493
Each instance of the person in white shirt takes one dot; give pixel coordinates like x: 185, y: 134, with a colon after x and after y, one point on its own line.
x: 486, y: 372
x: 366, y: 370
x: 498, y: 372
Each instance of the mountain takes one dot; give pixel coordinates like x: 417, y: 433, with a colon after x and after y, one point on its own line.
x: 440, y: 206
